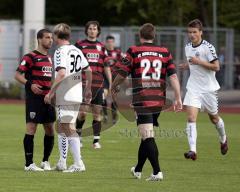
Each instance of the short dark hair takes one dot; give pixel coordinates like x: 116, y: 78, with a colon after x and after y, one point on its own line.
x: 110, y: 37
x: 147, y: 31
x: 41, y: 32
x: 196, y: 23
x: 92, y: 23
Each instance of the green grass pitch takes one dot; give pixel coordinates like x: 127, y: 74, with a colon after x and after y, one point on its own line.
x: 109, y: 168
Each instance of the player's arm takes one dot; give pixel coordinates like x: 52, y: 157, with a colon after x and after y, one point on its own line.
x: 183, y: 66
x: 213, y: 65
x: 176, y: 88
x: 108, y: 74
x: 88, y: 91
x: 20, y: 76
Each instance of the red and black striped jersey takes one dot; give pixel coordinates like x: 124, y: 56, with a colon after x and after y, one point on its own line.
x: 149, y: 66
x: 94, y: 51
x: 37, y: 68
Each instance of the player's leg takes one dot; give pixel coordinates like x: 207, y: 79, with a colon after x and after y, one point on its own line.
x: 105, y: 114
x: 48, y: 145
x: 28, y: 143
x: 191, y: 131
x: 97, y: 117
x: 148, y: 148
x: 192, y: 101
x: 114, y: 111
x: 62, y: 139
x: 81, y: 118
x: 97, y: 125
x: 32, y: 119
x: 48, y: 119
x: 210, y: 103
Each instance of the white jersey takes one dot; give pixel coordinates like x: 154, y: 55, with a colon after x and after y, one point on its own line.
x: 201, y: 80
x: 73, y: 61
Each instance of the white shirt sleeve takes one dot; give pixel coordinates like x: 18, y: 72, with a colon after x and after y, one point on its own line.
x: 60, y: 59
x: 84, y: 62
x: 211, y: 53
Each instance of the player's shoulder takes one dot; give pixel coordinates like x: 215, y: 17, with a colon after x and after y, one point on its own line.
x: 188, y: 45
x: 207, y: 45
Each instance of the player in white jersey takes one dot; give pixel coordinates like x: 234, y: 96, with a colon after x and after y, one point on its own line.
x: 69, y: 62
x: 202, y: 87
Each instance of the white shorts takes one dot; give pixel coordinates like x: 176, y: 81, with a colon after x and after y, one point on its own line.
x: 67, y: 113
x: 205, y: 101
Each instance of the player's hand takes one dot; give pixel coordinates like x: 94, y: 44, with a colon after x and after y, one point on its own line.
x: 36, y: 89
x: 183, y: 66
x: 194, y: 61
x: 177, y: 105
x: 48, y: 98
x: 88, y: 95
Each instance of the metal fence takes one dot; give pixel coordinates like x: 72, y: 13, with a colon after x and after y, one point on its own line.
x: 174, y: 38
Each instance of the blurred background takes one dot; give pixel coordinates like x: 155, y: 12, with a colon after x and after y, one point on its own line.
x: 21, y: 19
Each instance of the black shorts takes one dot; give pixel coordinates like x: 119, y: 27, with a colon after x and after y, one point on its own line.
x: 39, y: 112
x: 97, y: 96
x: 148, y: 118
x: 106, y: 84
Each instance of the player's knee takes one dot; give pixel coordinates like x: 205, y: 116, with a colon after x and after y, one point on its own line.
x: 97, y: 117
x: 31, y: 128
x: 192, y: 118
x: 214, y: 119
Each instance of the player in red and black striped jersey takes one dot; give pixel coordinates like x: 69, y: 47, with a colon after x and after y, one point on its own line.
x: 94, y: 51
x: 35, y: 72
x: 113, y: 56
x: 149, y: 65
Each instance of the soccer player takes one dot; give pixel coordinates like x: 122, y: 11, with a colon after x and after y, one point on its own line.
x: 113, y: 56
x: 201, y: 87
x: 35, y: 72
x: 94, y: 52
x: 148, y: 64
x: 69, y: 62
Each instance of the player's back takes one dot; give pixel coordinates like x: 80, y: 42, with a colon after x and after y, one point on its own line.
x: 149, y: 66
x: 73, y: 61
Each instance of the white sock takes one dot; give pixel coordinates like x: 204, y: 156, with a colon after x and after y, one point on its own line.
x: 192, y: 136
x: 221, y: 130
x: 63, y: 147
x: 74, y: 144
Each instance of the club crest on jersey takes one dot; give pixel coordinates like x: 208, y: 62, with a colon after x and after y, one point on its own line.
x: 32, y: 115
x: 99, y: 48
x: 114, y: 54
x: 23, y: 62
x: 197, y: 54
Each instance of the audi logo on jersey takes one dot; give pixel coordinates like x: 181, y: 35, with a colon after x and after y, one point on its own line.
x: 47, y: 69
x: 92, y: 55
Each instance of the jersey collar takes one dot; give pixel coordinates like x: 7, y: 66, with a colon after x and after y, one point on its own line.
x: 194, y: 46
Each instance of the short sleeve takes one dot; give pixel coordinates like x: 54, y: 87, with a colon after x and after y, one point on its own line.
x: 84, y: 60
x: 60, y: 60
x: 124, y: 67
x: 25, y: 64
x: 211, y: 53
x: 171, y: 69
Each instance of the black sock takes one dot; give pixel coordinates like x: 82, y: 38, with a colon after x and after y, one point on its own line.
x: 104, y: 107
x: 48, y: 146
x: 79, y: 125
x: 96, y: 130
x: 142, y: 157
x: 152, y: 154
x: 28, y: 148
x: 114, y: 111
